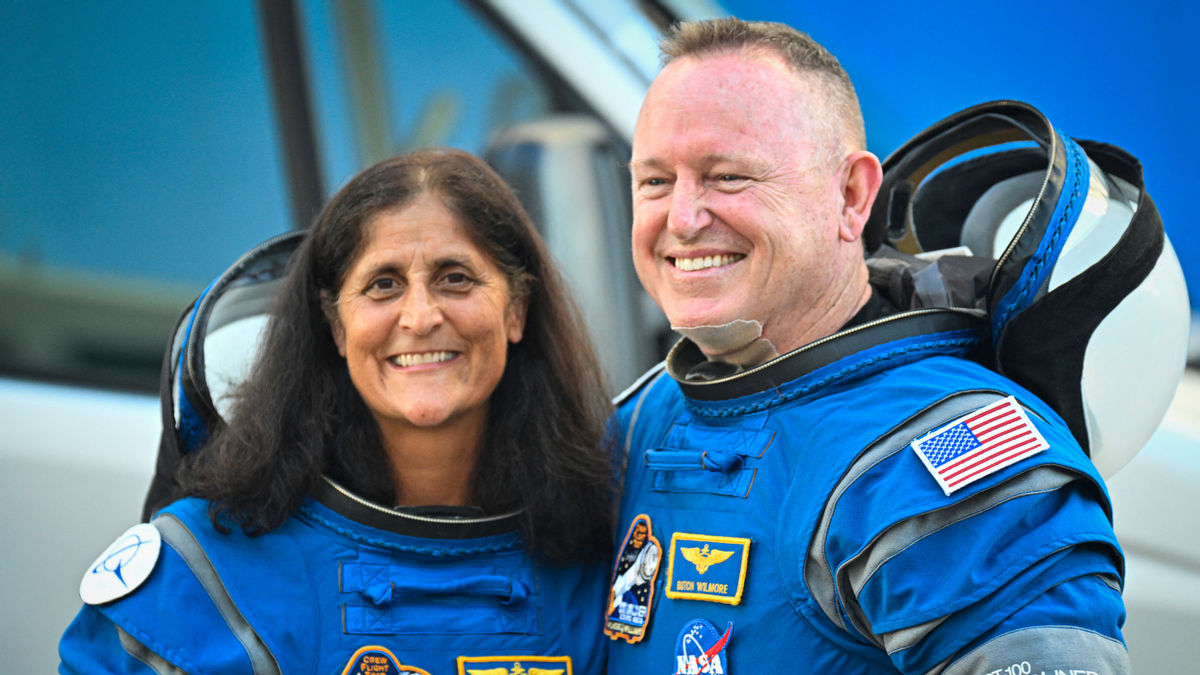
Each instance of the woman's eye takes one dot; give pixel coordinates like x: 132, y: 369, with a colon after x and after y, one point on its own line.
x: 382, y: 285
x: 456, y: 279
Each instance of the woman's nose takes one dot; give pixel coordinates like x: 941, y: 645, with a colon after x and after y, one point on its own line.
x: 419, y: 311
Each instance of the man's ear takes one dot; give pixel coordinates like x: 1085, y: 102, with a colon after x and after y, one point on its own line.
x: 861, y: 177
x: 329, y: 308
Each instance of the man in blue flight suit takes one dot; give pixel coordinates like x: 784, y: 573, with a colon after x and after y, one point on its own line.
x: 837, y: 487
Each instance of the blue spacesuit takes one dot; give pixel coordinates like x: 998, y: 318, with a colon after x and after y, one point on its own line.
x: 804, y: 531
x: 344, y: 586
x: 921, y: 491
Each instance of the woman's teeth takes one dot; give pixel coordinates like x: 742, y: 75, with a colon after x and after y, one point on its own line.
x: 690, y: 264
x: 405, y: 360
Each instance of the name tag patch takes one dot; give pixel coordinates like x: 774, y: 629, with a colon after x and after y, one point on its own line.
x: 514, y: 665
x: 631, y: 593
x: 704, y: 567
x: 701, y: 649
x: 376, y: 660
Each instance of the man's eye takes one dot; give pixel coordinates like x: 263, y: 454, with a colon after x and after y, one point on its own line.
x: 730, y: 177
x: 655, y: 182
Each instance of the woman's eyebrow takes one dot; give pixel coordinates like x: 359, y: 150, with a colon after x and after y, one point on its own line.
x: 451, y: 261
x: 437, y: 264
x: 384, y: 268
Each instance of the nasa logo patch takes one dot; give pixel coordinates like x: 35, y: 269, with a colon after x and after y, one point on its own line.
x: 376, y: 660
x: 700, y: 649
x: 123, y: 566
x: 704, y: 567
x: 631, y: 593
x: 512, y: 665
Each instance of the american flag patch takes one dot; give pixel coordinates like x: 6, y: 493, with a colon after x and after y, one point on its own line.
x: 979, y: 444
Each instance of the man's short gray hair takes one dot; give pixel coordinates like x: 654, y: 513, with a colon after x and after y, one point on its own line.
x: 842, y: 123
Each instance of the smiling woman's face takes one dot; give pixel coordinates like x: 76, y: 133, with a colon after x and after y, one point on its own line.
x: 424, y: 319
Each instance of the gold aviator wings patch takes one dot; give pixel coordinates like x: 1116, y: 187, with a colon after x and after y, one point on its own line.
x: 516, y: 670
x: 704, y: 558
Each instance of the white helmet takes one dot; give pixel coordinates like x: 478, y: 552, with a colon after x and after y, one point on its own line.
x: 1086, y: 300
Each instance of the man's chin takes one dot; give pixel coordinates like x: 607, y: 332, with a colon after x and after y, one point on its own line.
x: 703, y: 312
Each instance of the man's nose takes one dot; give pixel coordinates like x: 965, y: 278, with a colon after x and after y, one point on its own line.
x: 420, y: 312
x: 689, y: 210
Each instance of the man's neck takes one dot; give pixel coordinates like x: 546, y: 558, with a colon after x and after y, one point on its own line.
x: 823, y: 320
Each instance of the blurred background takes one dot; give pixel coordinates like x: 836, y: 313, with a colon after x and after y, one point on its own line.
x: 145, y: 146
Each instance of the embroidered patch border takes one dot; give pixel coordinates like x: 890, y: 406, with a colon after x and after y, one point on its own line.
x: 618, y: 629
x: 518, y: 668
x: 396, y: 667
x: 734, y: 599
x: 978, y: 444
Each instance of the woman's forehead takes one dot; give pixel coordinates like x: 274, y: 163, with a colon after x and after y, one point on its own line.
x: 423, y: 236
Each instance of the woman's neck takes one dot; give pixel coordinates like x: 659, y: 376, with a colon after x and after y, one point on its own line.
x: 434, y: 466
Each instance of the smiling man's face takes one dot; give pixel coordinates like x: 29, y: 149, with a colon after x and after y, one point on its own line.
x: 735, y: 217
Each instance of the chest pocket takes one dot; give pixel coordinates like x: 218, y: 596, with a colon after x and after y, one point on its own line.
x: 449, y: 596
x: 697, y: 457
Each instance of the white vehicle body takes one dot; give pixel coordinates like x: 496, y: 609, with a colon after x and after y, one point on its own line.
x: 75, y: 462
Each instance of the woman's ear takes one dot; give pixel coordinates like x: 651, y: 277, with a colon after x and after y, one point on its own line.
x: 329, y: 308
x: 517, y: 309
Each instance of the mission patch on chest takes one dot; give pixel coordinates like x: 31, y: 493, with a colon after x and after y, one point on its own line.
x: 376, y: 660
x: 631, y: 592
x: 707, y: 567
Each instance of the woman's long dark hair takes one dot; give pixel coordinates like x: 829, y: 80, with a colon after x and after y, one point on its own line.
x: 298, y: 415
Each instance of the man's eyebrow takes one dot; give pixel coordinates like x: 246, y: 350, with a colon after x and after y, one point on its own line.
x: 649, y: 163
x: 715, y: 158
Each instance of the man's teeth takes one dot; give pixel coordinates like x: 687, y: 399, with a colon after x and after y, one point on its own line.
x: 405, y: 360
x: 689, y: 264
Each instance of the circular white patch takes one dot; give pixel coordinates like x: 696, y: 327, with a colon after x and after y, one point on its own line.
x: 123, y: 566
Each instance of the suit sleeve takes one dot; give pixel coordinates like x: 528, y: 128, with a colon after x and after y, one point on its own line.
x: 93, y: 645
x: 1022, y: 564
x: 1051, y: 634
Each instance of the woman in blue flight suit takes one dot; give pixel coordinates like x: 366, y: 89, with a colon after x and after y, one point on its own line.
x: 410, y: 480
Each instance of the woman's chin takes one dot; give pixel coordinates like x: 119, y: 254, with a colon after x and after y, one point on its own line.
x: 427, y: 417
x: 431, y: 419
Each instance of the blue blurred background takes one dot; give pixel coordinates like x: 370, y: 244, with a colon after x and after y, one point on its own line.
x: 140, y: 150
x: 1120, y: 72
x: 125, y: 122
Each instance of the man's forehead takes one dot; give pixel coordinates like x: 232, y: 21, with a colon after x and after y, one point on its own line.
x: 716, y: 70
x: 722, y: 96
